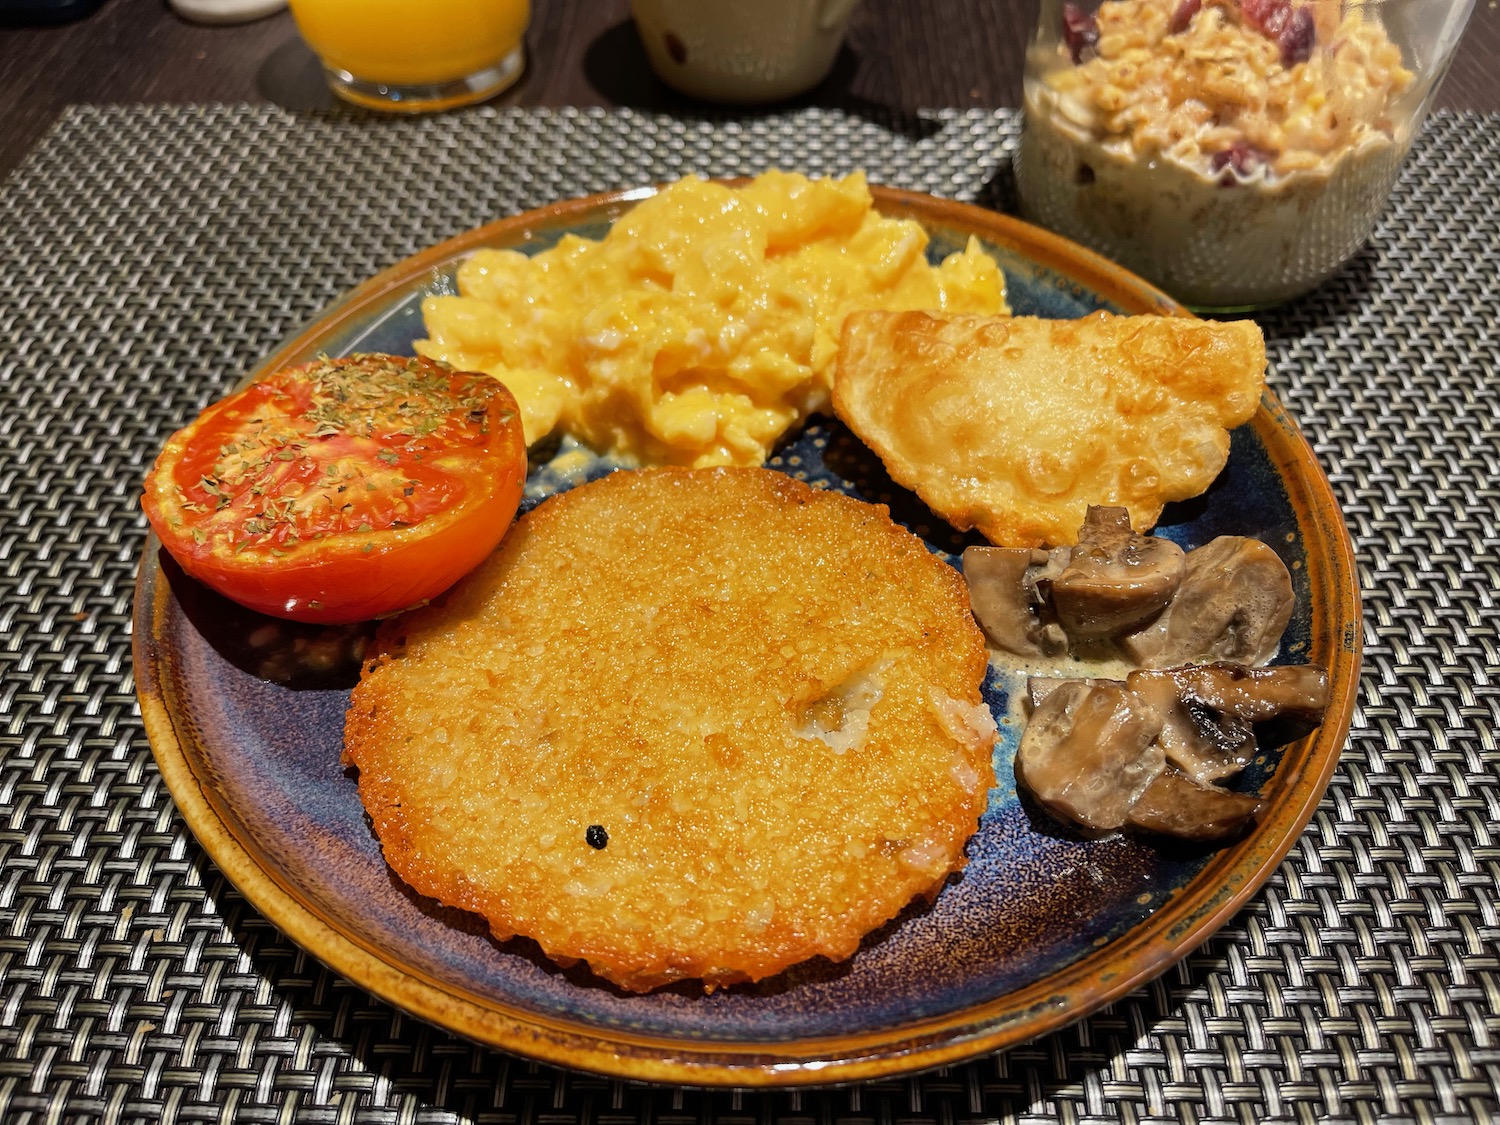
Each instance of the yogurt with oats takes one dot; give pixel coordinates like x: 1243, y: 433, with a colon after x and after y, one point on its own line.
x: 1235, y: 152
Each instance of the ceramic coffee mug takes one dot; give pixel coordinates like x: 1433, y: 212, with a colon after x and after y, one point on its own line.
x: 742, y: 50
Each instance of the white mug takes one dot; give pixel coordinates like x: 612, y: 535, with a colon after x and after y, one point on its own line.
x: 742, y: 50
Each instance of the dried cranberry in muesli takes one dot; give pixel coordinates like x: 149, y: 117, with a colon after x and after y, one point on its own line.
x: 1080, y: 32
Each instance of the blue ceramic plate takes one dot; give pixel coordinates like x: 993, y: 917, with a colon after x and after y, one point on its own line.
x: 1038, y: 931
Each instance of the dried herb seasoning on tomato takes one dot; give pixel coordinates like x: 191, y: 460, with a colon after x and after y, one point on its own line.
x: 343, y: 489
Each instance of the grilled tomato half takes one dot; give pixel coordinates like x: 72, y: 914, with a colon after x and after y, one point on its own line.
x: 341, y: 490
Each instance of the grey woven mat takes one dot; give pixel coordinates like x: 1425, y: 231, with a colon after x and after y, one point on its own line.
x: 149, y: 256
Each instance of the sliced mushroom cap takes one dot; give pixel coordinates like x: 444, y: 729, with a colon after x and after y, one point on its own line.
x: 1005, y: 604
x: 1176, y: 805
x: 1256, y: 694
x: 1206, y: 745
x: 1039, y: 688
x: 1234, y: 603
x: 1089, y: 751
x: 1115, y: 579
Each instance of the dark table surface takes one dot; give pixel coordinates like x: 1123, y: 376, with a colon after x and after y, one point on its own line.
x: 901, y: 54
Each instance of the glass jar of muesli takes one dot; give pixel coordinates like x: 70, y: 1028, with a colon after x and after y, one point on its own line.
x: 1234, y: 152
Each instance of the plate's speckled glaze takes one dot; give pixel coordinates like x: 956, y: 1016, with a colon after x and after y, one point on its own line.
x: 1037, y: 931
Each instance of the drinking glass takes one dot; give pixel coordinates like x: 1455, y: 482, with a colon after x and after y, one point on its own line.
x: 415, y: 56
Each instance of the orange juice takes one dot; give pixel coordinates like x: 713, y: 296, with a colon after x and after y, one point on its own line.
x: 412, y: 43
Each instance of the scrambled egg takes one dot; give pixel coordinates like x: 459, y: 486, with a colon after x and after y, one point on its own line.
x: 705, y: 324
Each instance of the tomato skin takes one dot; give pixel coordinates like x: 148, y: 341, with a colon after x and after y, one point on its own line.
x: 327, y: 513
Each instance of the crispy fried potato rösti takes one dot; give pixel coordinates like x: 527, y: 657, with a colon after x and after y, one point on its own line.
x: 683, y: 724
x: 1015, y: 425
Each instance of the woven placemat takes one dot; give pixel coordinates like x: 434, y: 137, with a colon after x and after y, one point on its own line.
x: 151, y: 255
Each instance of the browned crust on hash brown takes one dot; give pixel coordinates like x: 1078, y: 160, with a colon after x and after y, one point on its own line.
x: 682, y: 658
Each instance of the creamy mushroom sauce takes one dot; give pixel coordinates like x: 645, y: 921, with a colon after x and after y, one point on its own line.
x: 1176, y: 647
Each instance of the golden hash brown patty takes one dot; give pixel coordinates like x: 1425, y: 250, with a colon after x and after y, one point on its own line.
x: 683, y: 724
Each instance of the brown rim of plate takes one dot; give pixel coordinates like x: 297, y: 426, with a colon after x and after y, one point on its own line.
x: 1186, y: 920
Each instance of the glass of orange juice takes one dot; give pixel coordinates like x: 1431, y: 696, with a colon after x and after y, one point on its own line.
x: 415, y: 56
